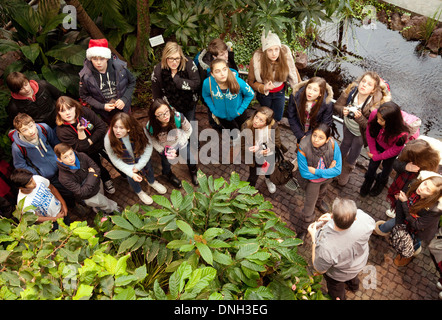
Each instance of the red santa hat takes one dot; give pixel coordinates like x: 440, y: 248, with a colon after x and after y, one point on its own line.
x: 98, y: 48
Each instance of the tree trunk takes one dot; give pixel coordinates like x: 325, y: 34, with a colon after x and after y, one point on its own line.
x: 90, y: 26
x: 140, y: 57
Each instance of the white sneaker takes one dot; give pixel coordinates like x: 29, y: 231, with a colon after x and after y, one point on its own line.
x: 391, y: 213
x: 270, y: 185
x: 439, y: 285
x: 109, y: 187
x: 158, y: 187
x: 145, y: 197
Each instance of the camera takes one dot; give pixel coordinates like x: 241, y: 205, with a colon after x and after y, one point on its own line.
x: 351, y: 112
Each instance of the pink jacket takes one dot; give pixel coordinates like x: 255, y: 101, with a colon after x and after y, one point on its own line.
x: 391, y: 149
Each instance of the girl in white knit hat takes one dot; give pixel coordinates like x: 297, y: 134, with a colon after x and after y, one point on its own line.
x: 271, y: 67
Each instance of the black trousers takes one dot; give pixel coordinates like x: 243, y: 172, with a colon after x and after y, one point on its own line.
x: 336, y: 289
x: 387, y: 167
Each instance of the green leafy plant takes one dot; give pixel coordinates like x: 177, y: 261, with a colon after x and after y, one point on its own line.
x: 44, y: 49
x: 219, y: 242
x: 225, y: 226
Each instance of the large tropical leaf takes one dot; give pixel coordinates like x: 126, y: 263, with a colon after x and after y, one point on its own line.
x: 31, y: 52
x: 70, y: 53
x: 8, y: 45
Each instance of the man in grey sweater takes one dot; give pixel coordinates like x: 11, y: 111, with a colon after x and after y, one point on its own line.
x: 340, y: 248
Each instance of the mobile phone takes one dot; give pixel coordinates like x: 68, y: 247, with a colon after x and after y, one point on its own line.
x: 264, y: 146
x: 166, y: 150
x: 265, y: 166
x: 84, y: 122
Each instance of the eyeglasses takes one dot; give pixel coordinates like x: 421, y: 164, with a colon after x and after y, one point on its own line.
x: 162, y: 115
x: 174, y: 59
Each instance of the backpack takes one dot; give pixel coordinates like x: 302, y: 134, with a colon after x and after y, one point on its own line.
x: 177, y: 117
x: 402, y: 241
x: 413, y: 123
x: 23, y: 149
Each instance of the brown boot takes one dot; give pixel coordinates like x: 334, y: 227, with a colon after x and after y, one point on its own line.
x: 345, y: 173
x: 401, y: 261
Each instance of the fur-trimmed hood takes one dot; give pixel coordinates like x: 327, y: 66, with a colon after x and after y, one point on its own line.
x: 328, y: 90
x: 383, y: 94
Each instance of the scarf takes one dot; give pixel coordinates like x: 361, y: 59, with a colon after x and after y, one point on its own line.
x: 399, y: 184
x: 324, y: 152
x: 130, y: 158
x: 76, y: 166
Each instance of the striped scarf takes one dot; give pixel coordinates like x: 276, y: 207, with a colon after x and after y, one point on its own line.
x: 128, y: 158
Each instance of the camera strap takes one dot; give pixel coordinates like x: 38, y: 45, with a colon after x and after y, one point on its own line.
x: 354, y: 96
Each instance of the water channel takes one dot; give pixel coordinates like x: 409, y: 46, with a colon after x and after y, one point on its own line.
x: 415, y: 78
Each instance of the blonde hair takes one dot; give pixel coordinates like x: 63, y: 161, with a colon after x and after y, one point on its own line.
x: 170, y: 49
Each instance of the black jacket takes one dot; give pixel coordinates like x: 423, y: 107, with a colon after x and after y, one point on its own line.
x: 82, y: 183
x: 67, y: 133
x: 427, y: 222
x: 42, y: 110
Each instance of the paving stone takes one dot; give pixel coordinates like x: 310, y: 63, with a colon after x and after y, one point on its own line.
x: 393, y: 283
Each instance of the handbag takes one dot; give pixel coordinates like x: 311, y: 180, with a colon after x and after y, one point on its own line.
x: 402, y: 241
x: 282, y: 172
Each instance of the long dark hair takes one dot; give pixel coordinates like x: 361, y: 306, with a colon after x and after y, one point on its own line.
x: 394, y: 123
x: 156, y: 124
x: 303, y: 101
x: 136, y: 134
x: 324, y: 128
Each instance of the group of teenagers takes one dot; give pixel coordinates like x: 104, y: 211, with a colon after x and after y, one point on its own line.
x: 58, y: 141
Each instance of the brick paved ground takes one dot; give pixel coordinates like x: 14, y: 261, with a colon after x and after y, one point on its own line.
x: 381, y: 280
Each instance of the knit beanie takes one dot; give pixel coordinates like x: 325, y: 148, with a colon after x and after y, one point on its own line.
x: 271, y: 40
x: 98, y: 48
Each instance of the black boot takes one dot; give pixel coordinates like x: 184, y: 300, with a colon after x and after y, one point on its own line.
x: 193, y: 175
x: 366, y: 186
x: 174, y: 180
x: 378, y: 187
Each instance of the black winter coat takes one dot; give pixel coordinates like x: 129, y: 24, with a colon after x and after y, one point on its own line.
x: 82, y: 183
x: 42, y: 110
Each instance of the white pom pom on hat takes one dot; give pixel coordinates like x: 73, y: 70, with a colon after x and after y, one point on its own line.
x: 98, y: 48
x: 271, y: 40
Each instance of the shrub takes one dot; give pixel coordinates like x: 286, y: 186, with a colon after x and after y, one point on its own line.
x: 219, y: 242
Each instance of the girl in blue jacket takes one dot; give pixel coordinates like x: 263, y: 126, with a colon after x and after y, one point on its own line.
x: 319, y: 160
x: 227, y: 95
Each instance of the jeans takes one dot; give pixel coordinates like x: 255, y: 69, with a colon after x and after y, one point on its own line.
x: 136, y: 186
x: 351, y: 146
x: 275, y: 101
x: 314, y: 193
